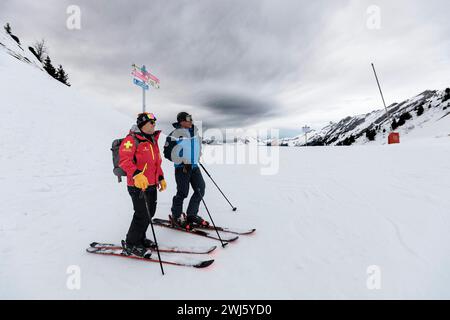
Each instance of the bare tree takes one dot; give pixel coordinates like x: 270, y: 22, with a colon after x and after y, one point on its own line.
x: 41, y: 49
x: 7, y: 28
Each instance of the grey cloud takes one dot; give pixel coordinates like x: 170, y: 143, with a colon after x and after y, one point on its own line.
x: 236, y: 109
x: 228, y: 61
x: 191, y: 45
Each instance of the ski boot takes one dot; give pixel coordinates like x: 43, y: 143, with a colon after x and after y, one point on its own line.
x: 180, y: 223
x: 149, y: 244
x: 197, y: 221
x: 135, y: 250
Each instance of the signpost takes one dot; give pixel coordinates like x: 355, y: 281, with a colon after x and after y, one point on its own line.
x: 306, y: 130
x: 142, y: 78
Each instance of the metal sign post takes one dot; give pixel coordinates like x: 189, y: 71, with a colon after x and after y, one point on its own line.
x: 142, y: 78
x: 306, y: 130
x: 143, y: 95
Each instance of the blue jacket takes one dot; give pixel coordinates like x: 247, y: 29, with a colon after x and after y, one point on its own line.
x: 183, y: 146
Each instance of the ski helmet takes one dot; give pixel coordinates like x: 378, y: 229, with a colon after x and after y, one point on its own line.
x: 145, y: 117
x: 184, y: 116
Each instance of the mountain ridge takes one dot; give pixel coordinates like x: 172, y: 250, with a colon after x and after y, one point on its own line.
x: 428, y: 106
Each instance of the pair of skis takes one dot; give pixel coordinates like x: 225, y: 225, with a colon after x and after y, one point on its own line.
x: 168, y: 253
x: 227, y: 234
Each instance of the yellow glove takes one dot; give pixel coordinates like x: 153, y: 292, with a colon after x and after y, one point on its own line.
x: 162, y: 185
x: 140, y: 181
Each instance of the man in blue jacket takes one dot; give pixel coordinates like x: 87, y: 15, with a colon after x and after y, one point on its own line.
x: 183, y: 147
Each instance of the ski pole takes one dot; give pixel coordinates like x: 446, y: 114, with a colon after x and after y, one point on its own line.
x: 153, y: 231
x: 214, y: 225
x: 206, y: 171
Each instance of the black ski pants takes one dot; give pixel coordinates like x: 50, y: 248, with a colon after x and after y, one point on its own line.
x: 140, y: 222
x: 183, y: 179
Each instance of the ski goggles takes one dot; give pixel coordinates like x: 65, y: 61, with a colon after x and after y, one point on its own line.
x: 188, y: 118
x: 148, y: 116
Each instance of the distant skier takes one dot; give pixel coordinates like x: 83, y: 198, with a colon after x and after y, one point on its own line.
x: 183, y: 147
x: 141, y: 160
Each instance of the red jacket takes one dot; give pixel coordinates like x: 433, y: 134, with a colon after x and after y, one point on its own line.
x: 133, y: 160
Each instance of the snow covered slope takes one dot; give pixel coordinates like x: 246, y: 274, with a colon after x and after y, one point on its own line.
x: 322, y: 220
x: 424, y: 110
x: 20, y: 52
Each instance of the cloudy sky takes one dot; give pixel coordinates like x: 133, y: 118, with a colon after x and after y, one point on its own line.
x: 245, y: 64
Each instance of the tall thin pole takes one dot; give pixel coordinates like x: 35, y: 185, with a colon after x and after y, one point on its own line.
x: 143, y: 89
x: 215, y: 228
x: 379, y: 87
x: 206, y: 171
x: 143, y: 99
x: 153, y: 231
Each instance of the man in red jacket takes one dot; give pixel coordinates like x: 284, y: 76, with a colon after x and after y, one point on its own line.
x: 141, y: 160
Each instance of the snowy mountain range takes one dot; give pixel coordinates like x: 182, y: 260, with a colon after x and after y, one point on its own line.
x: 425, y: 109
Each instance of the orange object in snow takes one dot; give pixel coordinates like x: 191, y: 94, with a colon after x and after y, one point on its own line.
x: 394, y: 137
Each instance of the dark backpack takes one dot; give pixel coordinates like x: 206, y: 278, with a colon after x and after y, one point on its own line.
x: 118, y: 171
